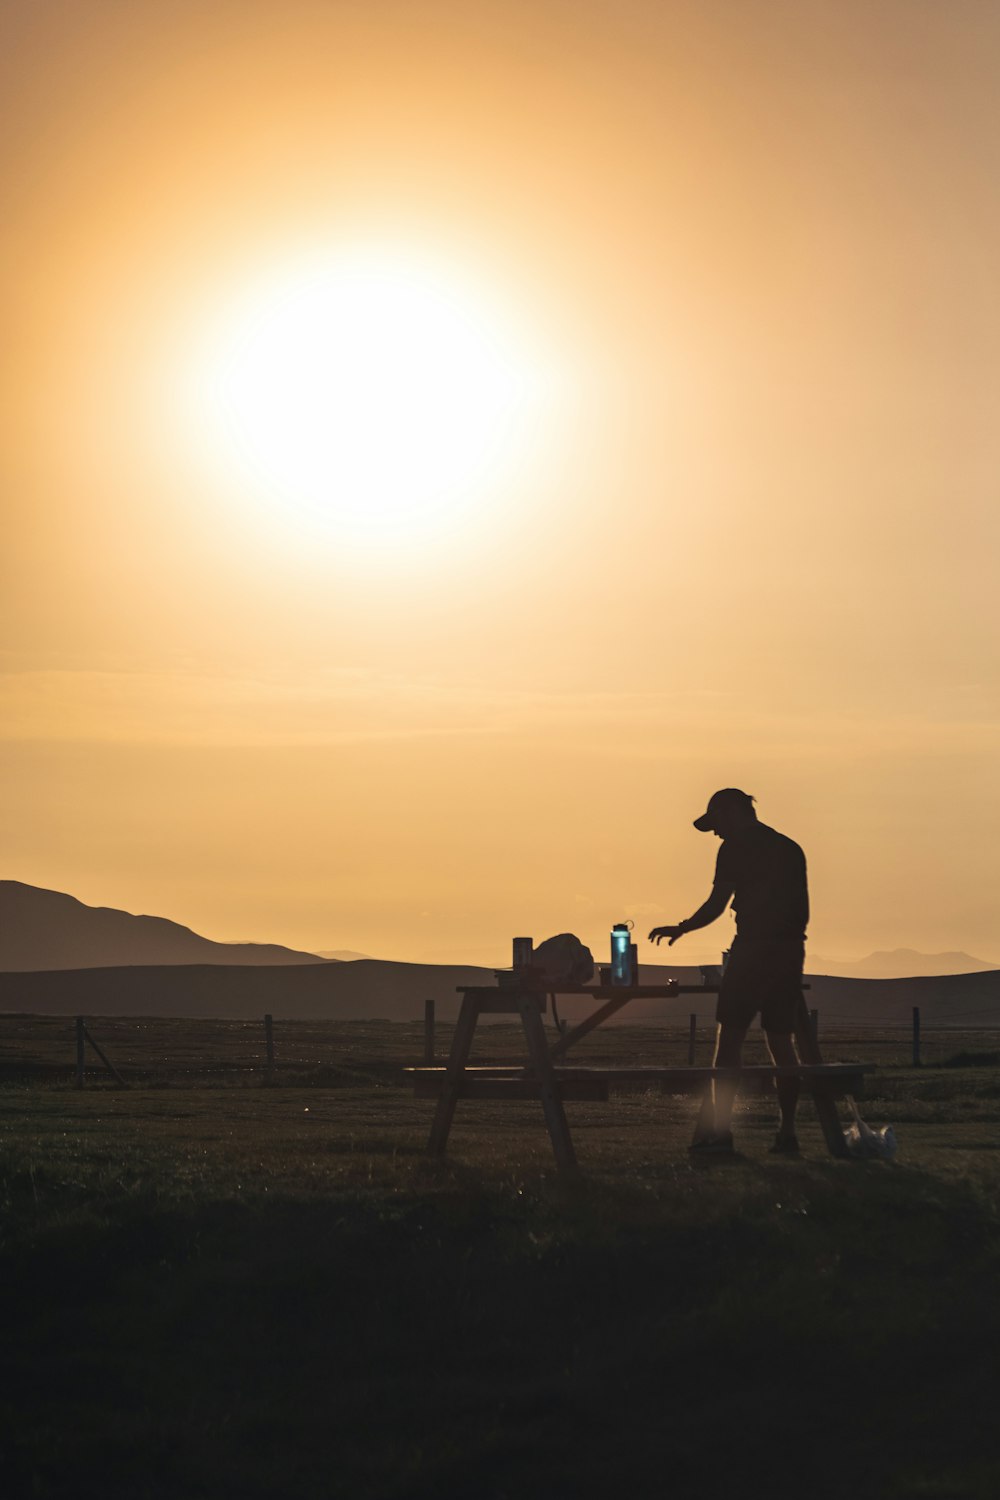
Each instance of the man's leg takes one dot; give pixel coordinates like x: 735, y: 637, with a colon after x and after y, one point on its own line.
x: 728, y: 1054
x: 783, y: 1054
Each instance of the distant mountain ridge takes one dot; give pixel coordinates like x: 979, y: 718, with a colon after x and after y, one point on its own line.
x: 47, y: 930
x: 900, y: 963
x: 44, y: 930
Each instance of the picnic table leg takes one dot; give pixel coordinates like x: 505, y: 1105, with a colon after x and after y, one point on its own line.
x: 826, y: 1109
x: 829, y: 1119
x: 461, y: 1045
x: 552, y: 1105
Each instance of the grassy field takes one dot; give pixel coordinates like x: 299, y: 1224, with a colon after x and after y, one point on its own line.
x: 215, y: 1288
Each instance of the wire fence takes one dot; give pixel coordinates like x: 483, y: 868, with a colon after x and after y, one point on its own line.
x: 157, y: 1051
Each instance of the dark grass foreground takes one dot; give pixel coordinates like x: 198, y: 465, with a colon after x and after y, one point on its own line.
x: 759, y: 1328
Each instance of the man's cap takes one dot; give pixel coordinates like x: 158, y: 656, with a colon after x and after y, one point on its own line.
x: 730, y: 799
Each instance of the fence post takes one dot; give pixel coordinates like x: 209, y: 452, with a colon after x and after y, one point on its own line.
x: 428, y: 1032
x: 692, y: 1033
x: 269, y: 1041
x: 916, y: 1036
x: 81, y: 1034
x: 105, y: 1059
x: 814, y: 1025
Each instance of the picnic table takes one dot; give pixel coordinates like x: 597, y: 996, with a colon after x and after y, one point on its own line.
x: 545, y: 1076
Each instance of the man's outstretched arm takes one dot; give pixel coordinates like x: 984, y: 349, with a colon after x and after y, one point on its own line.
x: 716, y: 904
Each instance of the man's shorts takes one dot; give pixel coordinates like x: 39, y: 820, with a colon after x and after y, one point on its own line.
x: 763, y: 974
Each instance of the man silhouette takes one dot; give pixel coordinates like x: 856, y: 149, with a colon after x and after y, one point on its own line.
x: 764, y: 875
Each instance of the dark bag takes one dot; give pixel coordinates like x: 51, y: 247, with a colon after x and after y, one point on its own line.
x: 563, y: 960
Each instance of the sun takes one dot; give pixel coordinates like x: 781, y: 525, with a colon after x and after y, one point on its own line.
x: 370, y: 394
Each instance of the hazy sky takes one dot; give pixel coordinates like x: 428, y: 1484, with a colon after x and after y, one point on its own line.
x: 443, y: 442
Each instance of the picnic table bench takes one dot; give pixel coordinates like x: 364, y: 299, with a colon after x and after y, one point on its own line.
x: 545, y: 1076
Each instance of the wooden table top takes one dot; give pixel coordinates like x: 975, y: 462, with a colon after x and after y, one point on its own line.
x: 595, y: 991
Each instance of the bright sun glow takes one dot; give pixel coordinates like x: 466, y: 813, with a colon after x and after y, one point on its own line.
x: 372, y: 396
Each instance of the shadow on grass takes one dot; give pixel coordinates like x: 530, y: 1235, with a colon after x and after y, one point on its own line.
x: 532, y: 1338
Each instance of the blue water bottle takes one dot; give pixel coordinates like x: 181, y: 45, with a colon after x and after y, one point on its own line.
x: 621, y: 954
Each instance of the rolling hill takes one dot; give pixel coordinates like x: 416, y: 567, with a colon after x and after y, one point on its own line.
x: 370, y: 989
x: 48, y: 930
x: 901, y: 963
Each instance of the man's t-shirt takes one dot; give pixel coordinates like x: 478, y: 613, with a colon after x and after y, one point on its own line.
x: 767, y: 875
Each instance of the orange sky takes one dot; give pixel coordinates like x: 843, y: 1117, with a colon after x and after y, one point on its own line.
x: 749, y: 536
